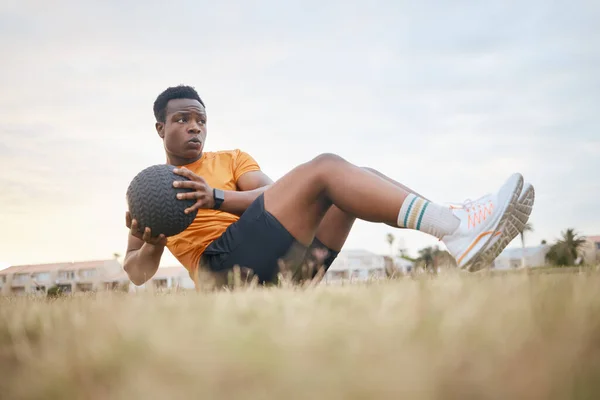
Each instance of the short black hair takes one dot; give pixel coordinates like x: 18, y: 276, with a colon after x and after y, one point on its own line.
x: 174, y: 92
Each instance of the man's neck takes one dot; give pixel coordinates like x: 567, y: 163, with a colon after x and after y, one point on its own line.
x: 174, y: 160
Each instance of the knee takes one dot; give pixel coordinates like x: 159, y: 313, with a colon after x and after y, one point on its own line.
x: 322, y: 165
x: 327, y: 159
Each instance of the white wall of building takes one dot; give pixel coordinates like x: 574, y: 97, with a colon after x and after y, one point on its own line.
x: 358, y: 265
x: 511, y: 258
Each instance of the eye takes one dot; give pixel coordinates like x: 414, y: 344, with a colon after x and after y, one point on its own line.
x: 181, y: 120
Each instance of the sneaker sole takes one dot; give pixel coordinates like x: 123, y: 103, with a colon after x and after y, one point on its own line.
x: 506, y: 214
x: 514, y: 225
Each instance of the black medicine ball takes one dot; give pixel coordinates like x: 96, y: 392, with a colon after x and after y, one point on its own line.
x: 153, y: 202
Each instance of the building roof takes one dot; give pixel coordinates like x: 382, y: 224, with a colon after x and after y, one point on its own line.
x: 594, y: 239
x: 29, y: 269
x: 63, y: 266
x: 75, y: 266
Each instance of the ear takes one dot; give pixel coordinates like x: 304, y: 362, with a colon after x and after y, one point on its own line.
x: 160, y: 128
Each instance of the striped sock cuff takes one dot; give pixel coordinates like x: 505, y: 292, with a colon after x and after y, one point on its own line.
x: 412, y: 212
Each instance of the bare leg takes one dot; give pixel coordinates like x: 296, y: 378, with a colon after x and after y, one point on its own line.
x: 301, y: 199
x: 398, y: 184
x: 337, y: 224
x: 333, y: 232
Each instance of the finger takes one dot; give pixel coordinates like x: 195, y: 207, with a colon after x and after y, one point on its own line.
x: 197, y: 205
x: 147, y: 235
x: 133, y: 231
x: 198, y: 195
x: 184, y: 172
x: 156, y: 240
x: 188, y: 185
x: 189, y: 174
x: 134, y: 227
x: 161, y: 240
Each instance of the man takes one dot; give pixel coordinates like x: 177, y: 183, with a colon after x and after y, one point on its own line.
x: 245, y: 219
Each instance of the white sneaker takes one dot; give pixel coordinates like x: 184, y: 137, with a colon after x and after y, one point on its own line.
x: 513, y: 226
x: 481, y: 220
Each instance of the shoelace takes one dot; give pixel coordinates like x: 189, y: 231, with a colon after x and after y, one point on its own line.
x: 478, y: 210
x: 468, y: 204
x: 471, y: 204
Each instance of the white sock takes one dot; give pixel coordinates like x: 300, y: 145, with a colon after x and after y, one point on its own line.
x: 425, y: 216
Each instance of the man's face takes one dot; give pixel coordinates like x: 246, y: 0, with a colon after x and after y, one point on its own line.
x: 184, y: 130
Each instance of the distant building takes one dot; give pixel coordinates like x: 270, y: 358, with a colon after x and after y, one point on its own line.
x: 356, y: 265
x: 74, y: 277
x: 591, y: 250
x: 170, y: 278
x: 403, y: 265
x: 535, y: 256
x: 512, y: 258
x: 69, y: 277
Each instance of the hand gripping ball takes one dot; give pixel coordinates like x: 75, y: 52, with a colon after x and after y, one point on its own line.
x: 153, y: 202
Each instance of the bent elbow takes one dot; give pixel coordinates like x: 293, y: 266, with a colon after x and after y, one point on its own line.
x: 136, y: 280
x: 133, y: 274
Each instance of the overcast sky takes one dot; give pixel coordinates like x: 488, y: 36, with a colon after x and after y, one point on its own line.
x: 448, y: 97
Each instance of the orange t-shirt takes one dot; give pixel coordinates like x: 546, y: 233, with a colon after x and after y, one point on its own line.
x: 221, y: 170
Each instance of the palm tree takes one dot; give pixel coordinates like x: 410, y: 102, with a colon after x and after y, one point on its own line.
x: 565, y: 251
x: 427, y: 257
x: 402, y: 254
x: 573, y: 243
x: 390, y: 240
x: 443, y: 258
x: 527, y: 228
x: 431, y: 258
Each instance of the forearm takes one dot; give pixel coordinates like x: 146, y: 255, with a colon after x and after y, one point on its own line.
x: 236, y: 202
x: 141, y: 264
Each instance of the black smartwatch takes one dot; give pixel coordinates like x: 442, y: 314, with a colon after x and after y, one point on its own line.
x: 219, y: 197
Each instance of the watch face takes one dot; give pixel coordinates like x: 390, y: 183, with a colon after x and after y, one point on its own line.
x: 219, y: 196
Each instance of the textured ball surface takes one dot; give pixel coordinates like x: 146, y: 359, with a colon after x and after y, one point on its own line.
x: 153, y: 202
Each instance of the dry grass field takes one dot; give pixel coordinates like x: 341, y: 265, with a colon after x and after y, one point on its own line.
x: 449, y: 337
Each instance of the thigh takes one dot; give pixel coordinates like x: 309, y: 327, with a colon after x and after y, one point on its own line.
x: 257, y: 241
x: 299, y: 202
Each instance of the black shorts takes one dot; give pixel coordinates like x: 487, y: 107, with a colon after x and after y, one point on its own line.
x: 258, y: 241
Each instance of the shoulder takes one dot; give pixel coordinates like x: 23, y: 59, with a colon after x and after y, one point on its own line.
x: 227, y: 153
x: 234, y: 155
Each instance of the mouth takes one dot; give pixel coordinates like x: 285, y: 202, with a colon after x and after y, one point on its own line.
x: 195, y: 140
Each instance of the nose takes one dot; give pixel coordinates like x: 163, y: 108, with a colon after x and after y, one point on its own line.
x: 194, y: 127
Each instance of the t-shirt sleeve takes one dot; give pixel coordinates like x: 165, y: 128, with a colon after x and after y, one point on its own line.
x: 243, y: 163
